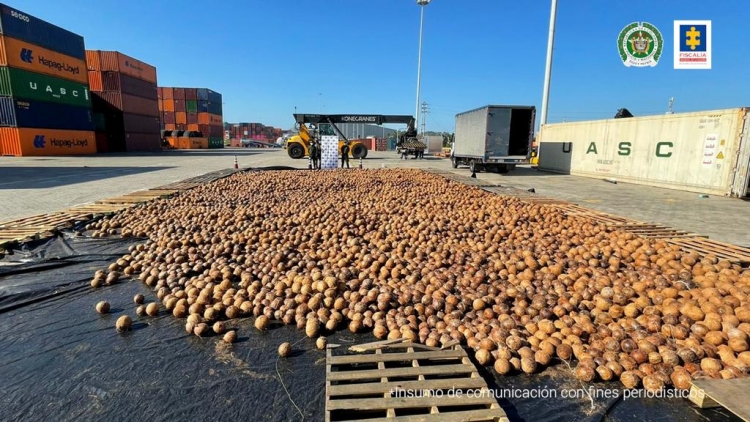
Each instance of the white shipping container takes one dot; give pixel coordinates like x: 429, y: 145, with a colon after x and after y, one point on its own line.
x: 705, y: 152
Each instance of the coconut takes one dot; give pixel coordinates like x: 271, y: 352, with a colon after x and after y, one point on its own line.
x: 102, y: 307
x: 124, y: 323
x: 285, y: 349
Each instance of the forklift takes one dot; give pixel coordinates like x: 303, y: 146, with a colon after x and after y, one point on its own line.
x: 298, y: 146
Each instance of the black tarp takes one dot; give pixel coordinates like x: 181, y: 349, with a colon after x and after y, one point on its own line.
x: 60, y: 360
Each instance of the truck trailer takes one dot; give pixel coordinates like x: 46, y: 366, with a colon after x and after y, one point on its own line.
x: 493, y: 137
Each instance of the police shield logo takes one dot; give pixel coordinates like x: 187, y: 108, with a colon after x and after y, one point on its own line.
x: 692, y: 44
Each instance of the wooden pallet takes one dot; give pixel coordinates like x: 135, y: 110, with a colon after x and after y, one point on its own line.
x: 703, y: 246
x: 364, y: 386
x: 730, y: 394
x: 595, y: 216
x: 138, y: 197
x: 653, y: 231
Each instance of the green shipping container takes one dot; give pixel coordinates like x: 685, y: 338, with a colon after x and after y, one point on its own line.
x: 35, y: 86
x: 100, y: 122
x: 191, y: 106
x: 215, y: 143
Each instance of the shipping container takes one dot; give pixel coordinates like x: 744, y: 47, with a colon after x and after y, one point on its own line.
x: 214, y: 119
x: 214, y: 97
x: 202, y: 94
x: 25, y: 56
x: 168, y: 105
x: 100, y: 122
x: 168, y: 117
x: 215, y: 131
x: 215, y: 108
x: 40, y: 114
x: 126, y: 103
x: 140, y: 124
x: 202, y: 106
x: 194, y: 127
x: 180, y: 127
x: 116, y: 81
x: 95, y: 81
x: 118, y: 62
x: 159, y: 93
x: 23, y: 26
x: 101, y: 142
x: 179, y: 93
x: 180, y: 117
x: 204, y: 118
x: 214, y: 143
x: 169, y: 126
x: 192, y: 118
x: 142, y: 142
x: 167, y: 93
x: 161, y: 104
x: 191, y: 94
x: 705, y: 152
x: 36, y: 86
x: 191, y: 106
x: 41, y: 142
x: 179, y: 105
x: 93, y: 60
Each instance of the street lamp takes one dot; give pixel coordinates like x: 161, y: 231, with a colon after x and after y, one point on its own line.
x: 548, y: 68
x: 421, y: 3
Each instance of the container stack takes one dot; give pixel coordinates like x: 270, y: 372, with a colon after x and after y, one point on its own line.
x: 381, y: 144
x: 45, y: 108
x: 255, y: 131
x: 193, y: 109
x: 123, y: 92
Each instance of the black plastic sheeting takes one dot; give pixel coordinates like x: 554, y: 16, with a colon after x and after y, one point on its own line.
x: 61, y: 360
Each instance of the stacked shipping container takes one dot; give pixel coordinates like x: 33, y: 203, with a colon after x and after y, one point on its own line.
x: 193, y: 109
x: 125, y: 102
x: 45, y: 107
x: 256, y: 131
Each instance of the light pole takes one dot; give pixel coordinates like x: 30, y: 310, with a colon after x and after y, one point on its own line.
x: 548, y: 69
x: 422, y: 4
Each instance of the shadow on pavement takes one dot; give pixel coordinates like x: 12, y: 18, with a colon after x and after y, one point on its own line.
x: 51, y: 177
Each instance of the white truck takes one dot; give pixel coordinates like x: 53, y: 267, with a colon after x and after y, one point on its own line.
x: 493, y: 137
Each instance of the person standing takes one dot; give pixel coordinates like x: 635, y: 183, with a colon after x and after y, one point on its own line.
x: 320, y: 155
x: 345, y: 155
x: 314, y: 154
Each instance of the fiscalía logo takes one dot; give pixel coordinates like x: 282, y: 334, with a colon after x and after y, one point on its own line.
x: 27, y: 55
x: 640, y: 45
x: 692, y: 44
x: 39, y: 141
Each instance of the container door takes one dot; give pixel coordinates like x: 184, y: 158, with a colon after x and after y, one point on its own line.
x: 498, y: 132
x: 741, y: 185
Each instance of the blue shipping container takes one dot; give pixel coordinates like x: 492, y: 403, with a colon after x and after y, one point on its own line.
x: 42, y: 115
x: 25, y: 27
x: 214, y: 108
x: 202, y: 94
x: 203, y: 107
x: 214, y: 97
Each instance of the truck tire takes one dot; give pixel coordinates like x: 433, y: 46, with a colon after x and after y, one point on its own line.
x: 359, y: 151
x: 296, y: 151
x: 454, y: 162
x: 474, y: 167
x: 502, y: 169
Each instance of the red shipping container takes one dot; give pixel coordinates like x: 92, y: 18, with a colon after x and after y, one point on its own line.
x: 215, y: 131
x: 167, y: 93
x: 140, y: 124
x: 101, y: 139
x: 180, y: 117
x: 95, y: 81
x: 179, y: 93
x: 192, y: 118
x: 168, y: 117
x: 118, y: 62
x: 128, y: 103
x: 179, y: 105
x: 142, y: 142
x: 215, y: 119
x: 159, y: 93
x: 180, y: 127
x: 191, y: 94
x: 161, y: 104
x: 204, y: 129
x: 93, y: 61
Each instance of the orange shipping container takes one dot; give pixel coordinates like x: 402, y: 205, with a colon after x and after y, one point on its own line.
x: 203, y: 118
x: 194, y: 128
x: 45, y: 142
x: 118, y: 62
x: 93, y: 61
x: 173, y: 142
x: 215, y: 119
x: 180, y: 117
x: 167, y: 93
x: 168, y: 104
x: 95, y: 81
x: 169, y: 126
x: 25, y: 56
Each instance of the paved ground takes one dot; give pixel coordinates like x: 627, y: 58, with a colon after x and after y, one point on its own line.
x: 30, y: 186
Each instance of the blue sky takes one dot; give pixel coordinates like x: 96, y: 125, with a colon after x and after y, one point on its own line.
x: 360, y: 56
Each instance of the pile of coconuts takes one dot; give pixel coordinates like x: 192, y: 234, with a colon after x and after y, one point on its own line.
x: 410, y: 255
